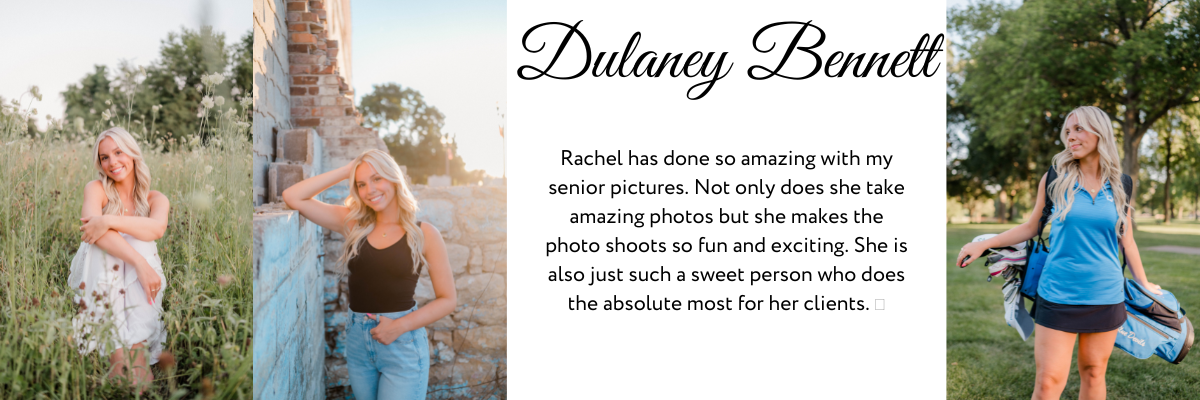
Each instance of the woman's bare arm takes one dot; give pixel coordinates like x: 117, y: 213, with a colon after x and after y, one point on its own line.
x: 299, y: 197
x: 1135, y: 258
x: 109, y: 241
x: 143, y: 228
x: 1016, y: 234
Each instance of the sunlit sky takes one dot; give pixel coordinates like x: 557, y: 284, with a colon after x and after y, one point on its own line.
x: 452, y: 52
x: 55, y: 43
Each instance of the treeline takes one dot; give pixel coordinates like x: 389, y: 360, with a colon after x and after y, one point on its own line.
x: 198, y: 73
x: 412, y: 130
x: 1015, y: 71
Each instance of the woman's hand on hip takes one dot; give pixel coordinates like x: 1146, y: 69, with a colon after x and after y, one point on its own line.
x: 971, y: 252
x: 93, y: 228
x: 387, y: 331
x: 151, y: 283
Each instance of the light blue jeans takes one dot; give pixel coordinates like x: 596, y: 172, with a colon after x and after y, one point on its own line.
x: 396, y: 371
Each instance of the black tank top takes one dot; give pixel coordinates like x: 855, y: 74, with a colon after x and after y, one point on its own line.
x: 382, y: 280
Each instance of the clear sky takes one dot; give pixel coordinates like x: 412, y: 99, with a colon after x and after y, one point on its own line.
x: 54, y: 43
x: 452, y: 52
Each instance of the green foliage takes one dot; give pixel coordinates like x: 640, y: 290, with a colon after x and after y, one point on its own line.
x: 208, y: 295
x: 161, y: 100
x: 1020, y: 70
x: 413, y: 133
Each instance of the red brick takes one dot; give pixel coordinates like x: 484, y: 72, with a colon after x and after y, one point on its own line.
x: 300, y: 59
x: 303, y: 38
x: 308, y: 17
x: 302, y: 101
x: 298, y: 6
x: 320, y: 14
x: 300, y: 112
x: 316, y: 5
x: 314, y: 90
x: 298, y: 69
x: 331, y: 52
x: 300, y: 48
x: 332, y: 44
x: 326, y: 70
x: 298, y: 27
x: 308, y: 122
x: 304, y: 80
x: 299, y: 91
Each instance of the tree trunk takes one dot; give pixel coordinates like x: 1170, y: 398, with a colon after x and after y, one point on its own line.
x: 1131, y: 142
x: 1167, y: 185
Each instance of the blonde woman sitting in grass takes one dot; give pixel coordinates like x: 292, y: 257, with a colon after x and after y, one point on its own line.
x: 387, y: 348
x: 117, y: 271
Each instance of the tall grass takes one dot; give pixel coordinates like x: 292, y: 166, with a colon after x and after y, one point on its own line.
x: 208, y: 295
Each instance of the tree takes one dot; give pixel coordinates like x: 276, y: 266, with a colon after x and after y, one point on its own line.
x: 412, y: 131
x: 1025, y: 67
x: 164, y: 97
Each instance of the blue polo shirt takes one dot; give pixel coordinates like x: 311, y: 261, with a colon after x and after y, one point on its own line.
x: 1083, y: 266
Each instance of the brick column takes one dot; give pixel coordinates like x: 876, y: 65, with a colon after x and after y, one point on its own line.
x: 323, y: 102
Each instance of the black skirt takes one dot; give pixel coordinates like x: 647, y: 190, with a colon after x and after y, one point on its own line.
x: 1078, y: 318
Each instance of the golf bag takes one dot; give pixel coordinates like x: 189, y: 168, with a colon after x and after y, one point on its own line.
x: 1154, y: 325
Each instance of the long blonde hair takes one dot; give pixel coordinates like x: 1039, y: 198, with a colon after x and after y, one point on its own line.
x: 141, y: 174
x: 361, y: 219
x: 1096, y: 122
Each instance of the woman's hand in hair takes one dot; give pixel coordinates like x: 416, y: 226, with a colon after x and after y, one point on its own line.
x: 971, y: 252
x: 93, y: 228
x: 387, y: 331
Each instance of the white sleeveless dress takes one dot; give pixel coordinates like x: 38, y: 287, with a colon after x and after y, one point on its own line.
x: 114, y: 313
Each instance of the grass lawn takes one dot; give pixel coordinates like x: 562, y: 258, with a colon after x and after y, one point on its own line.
x: 986, y: 359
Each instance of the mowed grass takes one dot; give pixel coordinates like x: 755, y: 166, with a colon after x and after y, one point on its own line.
x: 986, y: 359
x: 205, y: 256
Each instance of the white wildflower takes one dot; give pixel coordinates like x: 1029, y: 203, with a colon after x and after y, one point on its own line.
x: 235, y: 91
x: 201, y: 113
x: 220, y: 100
x: 155, y: 108
x: 36, y: 92
x: 106, y: 115
x: 180, y: 82
x: 246, y: 101
x: 207, y: 102
x: 79, y: 124
x: 208, y: 169
x: 200, y: 87
x: 34, y: 111
x: 108, y: 102
x: 216, y: 78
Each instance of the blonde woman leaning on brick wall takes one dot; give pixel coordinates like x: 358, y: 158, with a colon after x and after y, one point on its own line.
x: 387, y: 348
x: 117, y: 271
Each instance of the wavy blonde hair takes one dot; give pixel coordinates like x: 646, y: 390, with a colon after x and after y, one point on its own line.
x: 141, y: 174
x: 1096, y: 122
x: 361, y: 219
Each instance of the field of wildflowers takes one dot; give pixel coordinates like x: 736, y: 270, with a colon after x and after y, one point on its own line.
x: 208, y: 300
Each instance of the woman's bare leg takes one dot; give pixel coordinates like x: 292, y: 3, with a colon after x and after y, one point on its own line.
x: 1052, y: 355
x: 1094, y: 350
x: 130, y: 364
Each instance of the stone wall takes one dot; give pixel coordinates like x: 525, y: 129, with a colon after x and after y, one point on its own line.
x: 468, y: 348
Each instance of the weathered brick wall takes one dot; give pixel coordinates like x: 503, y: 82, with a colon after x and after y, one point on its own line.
x: 272, y: 105
x: 468, y: 348
x: 288, y: 319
